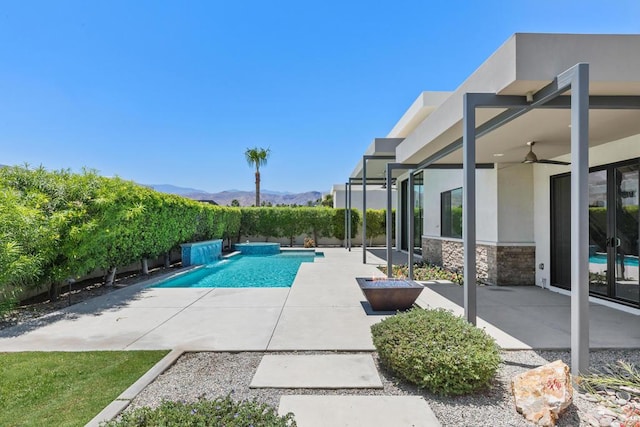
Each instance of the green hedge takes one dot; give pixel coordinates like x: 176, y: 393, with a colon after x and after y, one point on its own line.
x: 289, y: 222
x: 56, y: 224
x: 377, y: 223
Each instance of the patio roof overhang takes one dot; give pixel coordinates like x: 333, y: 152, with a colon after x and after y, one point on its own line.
x: 522, y: 67
x: 379, y: 152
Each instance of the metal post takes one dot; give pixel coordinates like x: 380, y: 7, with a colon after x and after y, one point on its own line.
x: 580, y: 220
x: 389, y: 225
x: 411, y: 223
x: 364, y: 209
x: 469, y: 207
x: 349, y: 216
x: 346, y: 184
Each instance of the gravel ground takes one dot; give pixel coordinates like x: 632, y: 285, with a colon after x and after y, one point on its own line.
x: 210, y: 374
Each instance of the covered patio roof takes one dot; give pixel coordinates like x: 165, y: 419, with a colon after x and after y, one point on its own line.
x: 522, y: 66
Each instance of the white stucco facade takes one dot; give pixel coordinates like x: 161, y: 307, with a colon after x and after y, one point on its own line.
x: 376, y: 197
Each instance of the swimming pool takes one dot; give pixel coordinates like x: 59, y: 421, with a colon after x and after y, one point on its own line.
x: 245, y: 271
x: 600, y: 258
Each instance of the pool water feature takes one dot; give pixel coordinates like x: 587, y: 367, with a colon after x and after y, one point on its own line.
x: 258, y: 248
x: 245, y: 271
x: 200, y: 253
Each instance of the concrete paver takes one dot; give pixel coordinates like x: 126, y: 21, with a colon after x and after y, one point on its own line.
x: 318, y: 328
x: 219, y: 329
x: 336, y: 411
x: 328, y: 371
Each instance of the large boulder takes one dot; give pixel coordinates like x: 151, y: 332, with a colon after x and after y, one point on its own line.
x: 543, y: 393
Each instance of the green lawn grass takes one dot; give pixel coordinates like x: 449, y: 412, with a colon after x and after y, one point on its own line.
x: 66, y: 389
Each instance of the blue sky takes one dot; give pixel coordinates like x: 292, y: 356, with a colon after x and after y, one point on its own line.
x: 174, y: 92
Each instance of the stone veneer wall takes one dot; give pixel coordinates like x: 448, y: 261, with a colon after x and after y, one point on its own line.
x: 497, y: 265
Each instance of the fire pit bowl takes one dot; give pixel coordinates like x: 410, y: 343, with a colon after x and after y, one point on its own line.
x: 389, y: 294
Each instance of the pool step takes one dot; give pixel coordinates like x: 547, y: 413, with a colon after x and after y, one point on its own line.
x: 321, y: 371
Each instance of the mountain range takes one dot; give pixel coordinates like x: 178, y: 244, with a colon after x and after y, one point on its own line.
x: 246, y: 198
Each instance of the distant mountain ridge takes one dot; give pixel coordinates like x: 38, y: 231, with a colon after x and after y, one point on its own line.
x: 246, y: 198
x: 174, y: 189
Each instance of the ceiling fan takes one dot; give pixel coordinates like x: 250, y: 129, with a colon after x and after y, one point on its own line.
x: 532, y: 158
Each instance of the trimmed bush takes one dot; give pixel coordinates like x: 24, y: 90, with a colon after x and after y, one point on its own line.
x: 436, y: 350
x: 218, y: 412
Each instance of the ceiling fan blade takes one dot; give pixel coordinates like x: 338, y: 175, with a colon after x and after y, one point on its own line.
x: 554, y: 162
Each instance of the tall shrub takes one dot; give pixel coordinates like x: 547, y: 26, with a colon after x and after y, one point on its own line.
x: 339, y: 231
x: 376, y: 223
x: 58, y: 225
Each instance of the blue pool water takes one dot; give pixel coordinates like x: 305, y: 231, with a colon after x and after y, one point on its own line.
x: 602, y: 259
x: 244, y: 271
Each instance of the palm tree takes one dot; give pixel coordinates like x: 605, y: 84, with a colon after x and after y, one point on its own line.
x: 258, y: 157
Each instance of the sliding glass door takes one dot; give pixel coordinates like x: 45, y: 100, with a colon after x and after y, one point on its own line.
x: 614, y: 227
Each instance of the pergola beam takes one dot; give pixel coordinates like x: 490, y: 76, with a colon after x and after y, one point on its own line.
x: 365, y: 158
x: 411, y: 222
x: 547, y: 97
x: 579, y: 83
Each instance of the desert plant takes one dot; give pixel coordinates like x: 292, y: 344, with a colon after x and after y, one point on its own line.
x: 424, y: 272
x: 622, y: 381
x: 219, y: 412
x: 437, y: 350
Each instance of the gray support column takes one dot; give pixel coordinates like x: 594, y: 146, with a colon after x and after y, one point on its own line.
x: 349, y: 217
x: 364, y: 209
x: 580, y: 220
x: 389, y: 218
x: 346, y: 224
x: 411, y: 224
x: 469, y: 207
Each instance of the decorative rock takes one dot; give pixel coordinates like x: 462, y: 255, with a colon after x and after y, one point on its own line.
x: 593, y: 421
x: 542, y: 394
x: 605, y: 422
x: 623, y: 395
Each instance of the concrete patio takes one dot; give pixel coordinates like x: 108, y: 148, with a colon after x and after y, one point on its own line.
x: 323, y: 310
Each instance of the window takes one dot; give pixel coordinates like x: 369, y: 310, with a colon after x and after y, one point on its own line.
x: 451, y: 213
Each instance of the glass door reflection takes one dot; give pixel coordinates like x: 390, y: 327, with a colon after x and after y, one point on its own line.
x: 624, y: 241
